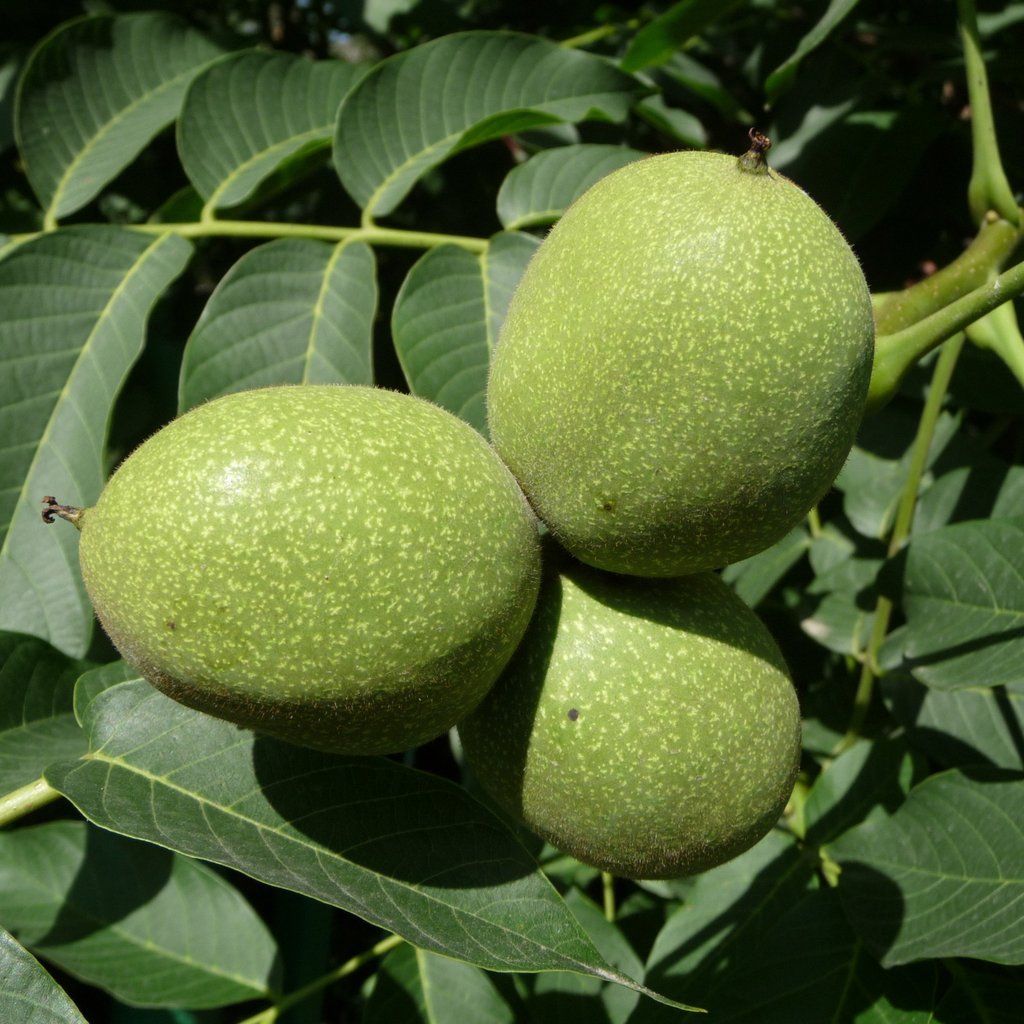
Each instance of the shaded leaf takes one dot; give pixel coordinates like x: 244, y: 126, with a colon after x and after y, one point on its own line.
x: 28, y: 994
x: 417, y: 987
x: 963, y: 595
x: 681, y: 69
x: 408, y: 851
x: 73, y: 309
x: 724, y: 917
x: 417, y: 108
x: 92, y: 683
x: 942, y: 876
x: 656, y: 42
x: 555, y: 995
x: 869, y: 780
x: 987, y: 487
x: 542, y: 189
x: 247, y: 114
x: 977, y: 998
x: 93, y: 94
x: 782, y: 77
x: 150, y: 926
x: 811, y: 967
x: 755, y: 577
x: 843, y: 599
x: 292, y: 311
x: 974, y: 725
x: 675, y: 123
x: 37, y: 725
x: 447, y: 317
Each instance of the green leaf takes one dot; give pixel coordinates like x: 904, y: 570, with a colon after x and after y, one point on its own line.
x: 405, y: 850
x: 92, y: 683
x: 782, y: 77
x: 447, y: 317
x: 990, y: 24
x: 723, y: 918
x: 417, y: 987
x: 677, y: 124
x: 942, y: 877
x: 812, y: 967
x: 975, y: 725
x: 963, y: 595
x: 868, y: 781
x: 293, y: 311
x: 689, y: 74
x: 73, y: 309
x: 755, y: 577
x: 656, y: 42
x: 542, y: 189
x: 555, y: 995
x: 841, y: 605
x: 150, y: 926
x: 94, y: 92
x: 28, y: 994
x: 417, y: 108
x: 247, y: 114
x: 978, y: 998
x: 37, y: 725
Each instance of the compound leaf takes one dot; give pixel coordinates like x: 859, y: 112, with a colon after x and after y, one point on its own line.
x: 405, y: 850
x: 942, y: 877
x: 447, y: 318
x: 293, y: 311
x: 28, y: 994
x: 150, y: 926
x: 247, y: 114
x: 73, y: 309
x: 417, y: 108
x: 542, y: 189
x: 94, y: 92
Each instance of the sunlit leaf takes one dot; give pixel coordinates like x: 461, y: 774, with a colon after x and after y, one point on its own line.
x: 92, y: 683
x: 73, y: 309
x: 94, y: 93
x: 293, y: 311
x: 151, y: 926
x: 28, y: 994
x: 417, y: 108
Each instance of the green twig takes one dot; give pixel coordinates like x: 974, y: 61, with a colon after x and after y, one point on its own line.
x: 586, y: 38
x: 814, y: 522
x: 286, y: 1002
x: 25, y: 800
x: 941, y: 377
x: 374, y: 235
x: 896, y: 353
x: 989, y: 189
x: 608, y: 884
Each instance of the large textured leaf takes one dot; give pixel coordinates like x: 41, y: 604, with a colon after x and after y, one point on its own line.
x: 151, y: 926
x: 812, y: 968
x: 722, y: 919
x: 542, y: 189
x: 447, y: 317
x: 657, y: 41
x: 868, y: 781
x: 37, y: 724
x: 419, y: 107
x: 782, y: 77
x: 417, y: 987
x: 244, y: 116
x: 942, y: 876
x: 94, y: 93
x: 73, y: 309
x: 755, y: 577
x: 555, y: 996
x: 963, y: 595
x: 293, y: 311
x: 92, y: 683
x: 28, y: 994
x: 975, y: 725
x: 405, y: 850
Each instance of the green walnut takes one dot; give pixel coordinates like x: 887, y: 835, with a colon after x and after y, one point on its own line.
x: 344, y: 567
x: 647, y: 727
x: 684, y: 365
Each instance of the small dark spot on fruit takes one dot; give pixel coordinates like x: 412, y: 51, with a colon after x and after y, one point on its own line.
x: 170, y: 625
x: 607, y: 506
x: 573, y: 714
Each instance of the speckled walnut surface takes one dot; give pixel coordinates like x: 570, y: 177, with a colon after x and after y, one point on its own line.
x: 345, y: 567
x: 683, y: 366
x: 647, y: 727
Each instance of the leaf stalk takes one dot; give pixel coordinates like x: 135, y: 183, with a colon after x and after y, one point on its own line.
x: 23, y: 801
x: 608, y: 885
